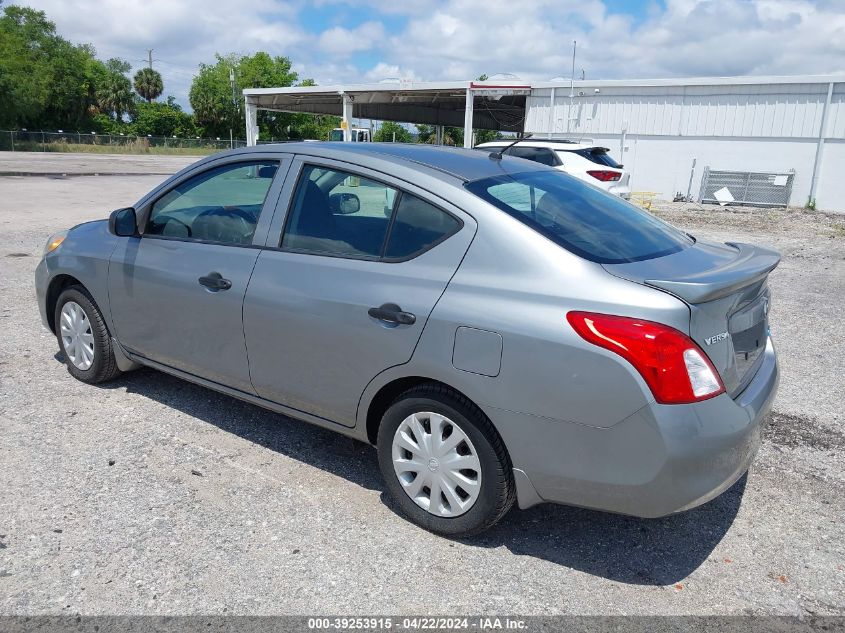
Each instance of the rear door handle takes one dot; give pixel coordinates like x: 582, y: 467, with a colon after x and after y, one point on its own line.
x: 392, y: 313
x: 215, y: 281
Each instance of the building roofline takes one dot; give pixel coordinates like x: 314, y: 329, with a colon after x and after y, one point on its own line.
x: 697, y: 81
x: 461, y: 86
x: 338, y: 89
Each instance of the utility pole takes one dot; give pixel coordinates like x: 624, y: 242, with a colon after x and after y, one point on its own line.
x: 150, y: 57
x: 234, y: 105
x: 571, y: 88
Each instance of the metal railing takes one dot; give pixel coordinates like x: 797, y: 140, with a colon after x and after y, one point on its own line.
x: 759, y: 189
x: 42, y: 141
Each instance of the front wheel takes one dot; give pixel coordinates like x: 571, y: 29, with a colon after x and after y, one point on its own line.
x: 444, y: 463
x: 84, y: 338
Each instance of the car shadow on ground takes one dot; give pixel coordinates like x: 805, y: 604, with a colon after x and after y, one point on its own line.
x: 621, y: 548
x: 625, y: 549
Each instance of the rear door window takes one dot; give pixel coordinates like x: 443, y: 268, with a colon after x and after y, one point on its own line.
x: 417, y: 227
x: 339, y: 213
x: 584, y: 220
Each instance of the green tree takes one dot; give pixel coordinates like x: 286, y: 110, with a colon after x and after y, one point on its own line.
x: 426, y: 133
x: 451, y: 135
x: 390, y: 131
x: 45, y: 81
x: 114, y: 92
x: 148, y: 84
x: 215, y: 108
x: 162, y: 119
x: 485, y: 136
x: 312, y: 126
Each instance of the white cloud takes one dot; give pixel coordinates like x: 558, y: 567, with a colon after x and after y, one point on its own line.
x: 183, y: 33
x: 460, y: 39
x: 342, y: 41
x: 533, y: 39
x: 382, y: 72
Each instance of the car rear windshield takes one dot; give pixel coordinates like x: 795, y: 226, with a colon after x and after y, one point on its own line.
x: 582, y: 219
x: 597, y: 155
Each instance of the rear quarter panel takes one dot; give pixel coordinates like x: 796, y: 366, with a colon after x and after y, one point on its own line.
x: 520, y: 285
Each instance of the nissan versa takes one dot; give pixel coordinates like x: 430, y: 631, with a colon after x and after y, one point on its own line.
x: 500, y: 330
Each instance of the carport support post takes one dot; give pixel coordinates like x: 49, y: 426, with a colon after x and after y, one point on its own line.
x: 251, y: 114
x: 814, y: 179
x: 438, y: 135
x: 347, y: 117
x: 468, y: 118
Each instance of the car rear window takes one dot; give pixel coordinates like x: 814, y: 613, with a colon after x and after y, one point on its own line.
x: 584, y: 220
x: 541, y: 155
x: 597, y: 155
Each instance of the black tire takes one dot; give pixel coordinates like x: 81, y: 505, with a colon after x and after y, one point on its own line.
x: 497, y: 492
x: 103, y: 366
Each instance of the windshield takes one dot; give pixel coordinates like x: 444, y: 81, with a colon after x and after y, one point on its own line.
x: 582, y: 219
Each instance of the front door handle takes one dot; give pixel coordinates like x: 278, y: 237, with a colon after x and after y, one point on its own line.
x: 214, y: 281
x: 392, y: 313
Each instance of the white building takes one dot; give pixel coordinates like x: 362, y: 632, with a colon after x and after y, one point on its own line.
x: 655, y: 127
x: 761, y: 124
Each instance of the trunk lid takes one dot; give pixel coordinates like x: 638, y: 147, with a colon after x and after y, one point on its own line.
x: 725, y: 287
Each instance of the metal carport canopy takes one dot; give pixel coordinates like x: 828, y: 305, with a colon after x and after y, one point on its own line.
x: 479, y: 104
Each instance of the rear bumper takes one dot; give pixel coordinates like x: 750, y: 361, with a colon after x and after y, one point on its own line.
x: 621, y: 189
x: 661, y: 460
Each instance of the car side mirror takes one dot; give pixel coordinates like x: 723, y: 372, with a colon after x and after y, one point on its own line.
x: 123, y: 222
x: 344, y: 203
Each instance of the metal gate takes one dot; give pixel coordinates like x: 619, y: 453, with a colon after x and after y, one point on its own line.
x: 746, y: 187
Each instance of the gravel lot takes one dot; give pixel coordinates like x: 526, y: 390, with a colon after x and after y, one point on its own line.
x: 153, y: 496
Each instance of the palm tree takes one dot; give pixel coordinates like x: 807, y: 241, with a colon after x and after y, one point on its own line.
x: 148, y: 84
x: 115, y: 95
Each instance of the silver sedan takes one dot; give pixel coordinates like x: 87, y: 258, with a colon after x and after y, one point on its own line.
x: 499, y: 330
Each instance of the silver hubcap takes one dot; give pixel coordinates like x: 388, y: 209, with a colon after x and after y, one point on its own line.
x: 436, y: 464
x: 77, y: 338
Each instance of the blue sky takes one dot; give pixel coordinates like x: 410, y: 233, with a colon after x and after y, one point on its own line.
x: 349, y: 41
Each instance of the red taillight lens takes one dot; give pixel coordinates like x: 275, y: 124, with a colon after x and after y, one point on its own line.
x: 604, y: 175
x: 675, y: 368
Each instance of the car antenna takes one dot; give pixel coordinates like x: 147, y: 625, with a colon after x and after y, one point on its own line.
x: 498, y: 155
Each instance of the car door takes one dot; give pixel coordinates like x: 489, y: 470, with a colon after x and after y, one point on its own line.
x: 176, y: 292
x: 346, y: 284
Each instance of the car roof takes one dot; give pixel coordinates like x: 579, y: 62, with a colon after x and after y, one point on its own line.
x: 550, y: 143
x: 461, y: 163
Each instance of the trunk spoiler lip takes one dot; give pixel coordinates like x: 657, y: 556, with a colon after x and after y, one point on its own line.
x: 752, y: 264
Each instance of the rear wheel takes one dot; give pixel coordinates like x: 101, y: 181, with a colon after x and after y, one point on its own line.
x: 444, y: 463
x: 84, y: 338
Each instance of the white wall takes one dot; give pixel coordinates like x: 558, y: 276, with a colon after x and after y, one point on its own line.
x: 830, y: 189
x: 768, y: 125
x: 662, y: 164
x: 773, y: 110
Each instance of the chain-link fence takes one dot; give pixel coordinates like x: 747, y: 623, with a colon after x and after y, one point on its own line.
x: 40, y: 141
x: 759, y: 189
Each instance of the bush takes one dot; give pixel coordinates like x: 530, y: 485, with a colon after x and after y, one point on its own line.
x: 162, y: 119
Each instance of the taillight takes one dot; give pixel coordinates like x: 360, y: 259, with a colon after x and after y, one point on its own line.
x: 605, y: 175
x: 675, y: 368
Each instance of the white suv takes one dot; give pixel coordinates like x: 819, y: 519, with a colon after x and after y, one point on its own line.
x: 590, y: 163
